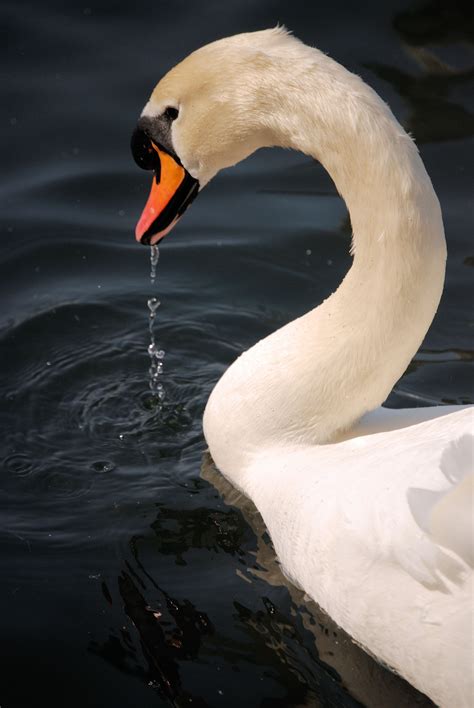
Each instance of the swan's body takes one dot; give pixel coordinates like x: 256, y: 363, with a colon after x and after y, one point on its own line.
x: 370, y: 514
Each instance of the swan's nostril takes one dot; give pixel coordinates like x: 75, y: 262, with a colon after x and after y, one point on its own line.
x: 143, y: 152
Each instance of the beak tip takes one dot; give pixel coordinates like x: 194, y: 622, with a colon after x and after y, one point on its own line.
x: 143, y: 239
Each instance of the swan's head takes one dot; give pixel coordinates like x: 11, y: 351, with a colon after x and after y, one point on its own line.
x: 207, y: 113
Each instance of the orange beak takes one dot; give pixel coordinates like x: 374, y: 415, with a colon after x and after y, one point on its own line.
x: 172, y: 191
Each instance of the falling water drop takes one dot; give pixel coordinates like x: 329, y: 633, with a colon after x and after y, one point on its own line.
x: 153, y: 305
x: 154, y: 352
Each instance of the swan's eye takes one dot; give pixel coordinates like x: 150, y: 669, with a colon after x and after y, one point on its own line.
x: 171, y: 113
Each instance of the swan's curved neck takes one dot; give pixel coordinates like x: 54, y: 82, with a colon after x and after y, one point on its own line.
x: 316, y: 376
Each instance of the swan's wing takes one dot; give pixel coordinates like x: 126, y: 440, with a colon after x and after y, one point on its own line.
x: 447, y: 516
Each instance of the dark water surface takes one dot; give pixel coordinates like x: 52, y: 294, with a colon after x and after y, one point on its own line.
x: 132, y: 574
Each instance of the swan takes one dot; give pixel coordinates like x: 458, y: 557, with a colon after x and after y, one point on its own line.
x: 369, y: 509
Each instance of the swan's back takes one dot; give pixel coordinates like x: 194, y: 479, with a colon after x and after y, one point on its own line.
x: 378, y: 530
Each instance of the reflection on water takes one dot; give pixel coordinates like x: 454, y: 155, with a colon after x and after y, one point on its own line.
x: 436, y: 22
x: 169, y: 632
x: 132, y: 577
x: 435, y: 114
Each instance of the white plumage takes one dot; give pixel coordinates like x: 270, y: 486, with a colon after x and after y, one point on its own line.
x: 369, y: 512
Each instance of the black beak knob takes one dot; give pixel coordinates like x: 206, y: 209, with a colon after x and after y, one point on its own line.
x: 143, y: 152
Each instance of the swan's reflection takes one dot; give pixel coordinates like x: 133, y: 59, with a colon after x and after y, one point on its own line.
x: 168, y: 633
x: 435, y: 114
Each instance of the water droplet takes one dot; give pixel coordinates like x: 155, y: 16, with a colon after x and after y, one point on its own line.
x: 103, y: 465
x: 153, y: 304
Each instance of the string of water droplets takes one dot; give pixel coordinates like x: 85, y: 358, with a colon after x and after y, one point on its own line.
x: 154, y: 258
x: 156, y: 354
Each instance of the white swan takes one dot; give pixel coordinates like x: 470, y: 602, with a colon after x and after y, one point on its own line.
x: 369, y: 512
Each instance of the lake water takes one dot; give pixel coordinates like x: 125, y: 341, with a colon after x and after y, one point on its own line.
x: 132, y: 573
